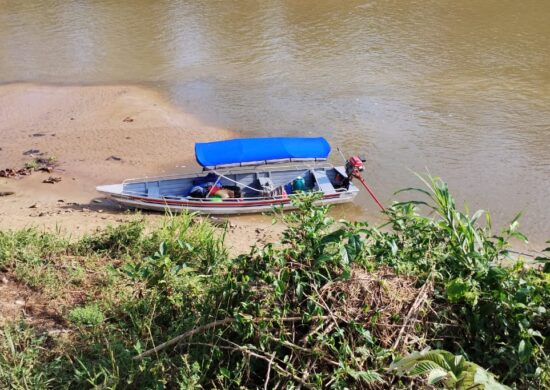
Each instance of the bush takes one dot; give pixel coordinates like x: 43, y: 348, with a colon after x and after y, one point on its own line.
x: 499, y: 314
x: 330, y: 306
x: 90, y: 315
x: 114, y: 241
x: 288, y: 316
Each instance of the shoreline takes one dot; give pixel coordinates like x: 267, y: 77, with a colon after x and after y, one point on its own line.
x: 103, y: 134
x: 131, y: 129
x: 98, y: 135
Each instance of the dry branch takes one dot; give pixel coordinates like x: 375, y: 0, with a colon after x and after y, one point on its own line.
x: 177, y: 339
x: 417, y: 304
x: 209, y: 326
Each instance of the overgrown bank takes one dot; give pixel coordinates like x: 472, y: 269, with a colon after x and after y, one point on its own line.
x: 336, y: 304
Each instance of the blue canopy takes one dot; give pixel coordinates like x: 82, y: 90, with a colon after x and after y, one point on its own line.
x: 249, y: 151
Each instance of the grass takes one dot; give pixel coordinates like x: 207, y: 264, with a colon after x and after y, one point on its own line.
x: 335, y: 305
x: 20, y: 361
x: 88, y: 315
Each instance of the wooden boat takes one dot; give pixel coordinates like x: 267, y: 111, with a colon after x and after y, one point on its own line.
x: 244, y: 176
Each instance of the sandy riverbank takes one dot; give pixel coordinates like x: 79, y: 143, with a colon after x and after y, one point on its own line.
x: 99, y: 135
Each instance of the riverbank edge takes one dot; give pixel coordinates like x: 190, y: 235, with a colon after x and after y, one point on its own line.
x: 93, y: 135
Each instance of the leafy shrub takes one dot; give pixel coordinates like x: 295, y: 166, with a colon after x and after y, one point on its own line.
x: 500, y: 313
x: 114, y: 241
x: 331, y: 306
x: 89, y: 314
x: 180, y: 259
x: 288, y: 315
x: 285, y: 316
x: 452, y: 371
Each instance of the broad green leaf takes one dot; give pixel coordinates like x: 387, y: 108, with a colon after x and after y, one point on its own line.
x: 365, y: 376
x: 225, y: 372
x: 443, y: 358
x: 487, y: 380
x: 423, y: 367
x: 437, y: 375
x: 162, y: 249
x: 354, y: 247
x: 456, y: 290
x: 344, y: 256
x: 335, y: 236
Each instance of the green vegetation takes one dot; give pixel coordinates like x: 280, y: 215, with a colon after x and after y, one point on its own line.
x: 334, y: 305
x: 451, y: 371
x: 86, y: 315
x: 41, y: 164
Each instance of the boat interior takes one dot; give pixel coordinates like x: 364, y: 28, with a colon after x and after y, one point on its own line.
x: 255, y: 183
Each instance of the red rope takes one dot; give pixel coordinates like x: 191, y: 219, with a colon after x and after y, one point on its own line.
x: 358, y: 175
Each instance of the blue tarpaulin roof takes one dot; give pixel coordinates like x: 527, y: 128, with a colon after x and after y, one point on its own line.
x: 260, y: 150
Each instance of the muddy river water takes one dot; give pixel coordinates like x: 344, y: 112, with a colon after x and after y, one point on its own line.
x: 459, y: 88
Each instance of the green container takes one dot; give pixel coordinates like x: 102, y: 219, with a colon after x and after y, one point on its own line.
x: 215, y: 198
x: 299, y: 184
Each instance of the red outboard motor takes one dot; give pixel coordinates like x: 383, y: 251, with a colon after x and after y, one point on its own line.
x: 354, y: 165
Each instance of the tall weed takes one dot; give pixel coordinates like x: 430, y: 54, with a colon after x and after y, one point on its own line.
x: 500, y: 313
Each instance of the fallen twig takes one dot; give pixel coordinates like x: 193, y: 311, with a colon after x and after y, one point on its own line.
x: 267, y: 359
x: 209, y: 326
x: 268, y: 371
x: 177, y: 339
x: 414, y: 308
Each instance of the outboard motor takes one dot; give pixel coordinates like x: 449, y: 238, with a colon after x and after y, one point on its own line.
x: 354, y: 165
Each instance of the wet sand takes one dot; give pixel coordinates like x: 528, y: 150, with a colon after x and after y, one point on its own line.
x: 98, y: 135
x: 85, y: 125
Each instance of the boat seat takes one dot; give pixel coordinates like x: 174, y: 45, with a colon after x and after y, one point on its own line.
x: 153, y: 189
x: 323, y: 182
x: 341, y: 171
x: 266, y: 182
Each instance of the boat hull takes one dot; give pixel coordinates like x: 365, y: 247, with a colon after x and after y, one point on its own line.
x: 220, y: 208
x: 259, y: 189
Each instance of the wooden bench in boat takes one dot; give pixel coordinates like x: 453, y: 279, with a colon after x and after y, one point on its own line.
x: 323, y: 182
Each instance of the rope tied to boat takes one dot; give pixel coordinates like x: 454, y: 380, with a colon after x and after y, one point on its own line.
x: 251, y: 188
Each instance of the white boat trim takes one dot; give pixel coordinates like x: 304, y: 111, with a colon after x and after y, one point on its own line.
x: 229, y: 206
x: 226, y: 207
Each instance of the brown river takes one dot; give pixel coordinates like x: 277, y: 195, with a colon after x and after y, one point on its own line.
x: 457, y: 88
